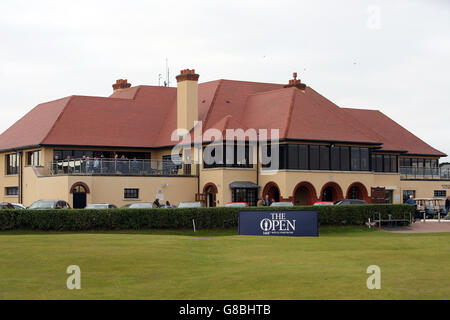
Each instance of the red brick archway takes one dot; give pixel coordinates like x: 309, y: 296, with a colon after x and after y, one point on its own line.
x: 78, y: 184
x: 360, y: 190
x: 304, y: 194
x: 273, y: 191
x: 331, y: 191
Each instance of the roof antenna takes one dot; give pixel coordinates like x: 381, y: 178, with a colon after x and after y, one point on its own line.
x: 167, y: 83
x: 159, y: 79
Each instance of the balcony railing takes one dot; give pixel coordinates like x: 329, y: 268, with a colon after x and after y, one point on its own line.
x: 121, y: 167
x: 413, y: 173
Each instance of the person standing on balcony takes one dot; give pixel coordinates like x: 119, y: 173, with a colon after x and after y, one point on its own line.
x: 88, y: 165
x: 116, y: 157
x: 83, y: 164
x: 135, y: 166
x: 96, y: 165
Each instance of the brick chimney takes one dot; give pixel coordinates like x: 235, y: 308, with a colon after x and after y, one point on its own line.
x: 121, y: 84
x: 296, y: 83
x: 187, y: 99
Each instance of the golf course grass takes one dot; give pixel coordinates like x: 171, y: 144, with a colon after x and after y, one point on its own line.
x: 222, y: 265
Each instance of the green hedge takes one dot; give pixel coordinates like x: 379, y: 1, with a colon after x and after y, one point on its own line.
x: 205, y: 218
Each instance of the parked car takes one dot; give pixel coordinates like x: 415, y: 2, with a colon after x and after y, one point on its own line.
x: 282, y: 204
x: 49, y: 204
x: 191, y: 205
x: 98, y: 206
x: 350, y: 201
x: 18, y: 206
x: 139, y: 205
x: 323, y: 203
x: 6, y: 206
x: 236, y: 204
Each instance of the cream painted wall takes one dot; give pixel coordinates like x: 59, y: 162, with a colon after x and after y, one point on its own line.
x: 425, y: 189
x: 287, y: 180
x: 222, y: 178
x: 43, y: 188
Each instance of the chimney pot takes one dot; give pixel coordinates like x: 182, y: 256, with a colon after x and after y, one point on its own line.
x: 121, y: 84
x: 187, y: 74
x: 296, y: 83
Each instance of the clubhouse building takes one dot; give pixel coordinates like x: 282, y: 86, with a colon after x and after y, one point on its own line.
x: 119, y: 149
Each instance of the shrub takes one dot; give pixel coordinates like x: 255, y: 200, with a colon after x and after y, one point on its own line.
x: 205, y: 218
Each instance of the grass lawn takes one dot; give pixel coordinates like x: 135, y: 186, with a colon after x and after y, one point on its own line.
x: 222, y: 265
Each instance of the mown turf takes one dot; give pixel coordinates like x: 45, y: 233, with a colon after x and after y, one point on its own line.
x: 223, y: 265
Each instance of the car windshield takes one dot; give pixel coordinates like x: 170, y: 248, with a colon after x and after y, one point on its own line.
x: 240, y: 205
x: 141, y: 205
x: 97, y: 206
x: 190, y: 205
x: 43, y: 205
x: 282, y: 204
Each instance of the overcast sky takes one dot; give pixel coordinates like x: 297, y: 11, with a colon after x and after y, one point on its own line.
x: 393, y: 56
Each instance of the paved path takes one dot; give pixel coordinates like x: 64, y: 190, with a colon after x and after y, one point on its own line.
x: 420, y: 227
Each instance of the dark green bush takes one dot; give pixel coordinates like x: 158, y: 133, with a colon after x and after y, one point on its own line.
x: 205, y: 218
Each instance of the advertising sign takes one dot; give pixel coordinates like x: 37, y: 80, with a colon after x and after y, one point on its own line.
x: 279, y: 223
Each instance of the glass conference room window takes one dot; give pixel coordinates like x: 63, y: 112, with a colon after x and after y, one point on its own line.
x: 356, y: 159
x: 379, y: 163
x: 345, y: 158
x: 394, y: 164
x: 365, y: 159
x: 292, y: 157
x: 303, y: 157
x: 387, y: 163
x: 405, y: 162
x: 324, y: 158
x: 314, y: 163
x: 335, y: 158
x: 283, y: 156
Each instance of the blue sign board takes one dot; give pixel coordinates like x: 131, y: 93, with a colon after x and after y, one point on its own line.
x: 279, y: 223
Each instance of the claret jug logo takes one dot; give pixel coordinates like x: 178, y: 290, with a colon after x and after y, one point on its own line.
x: 277, y: 224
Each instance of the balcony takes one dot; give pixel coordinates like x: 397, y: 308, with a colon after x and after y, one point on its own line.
x: 414, y: 173
x: 120, y: 167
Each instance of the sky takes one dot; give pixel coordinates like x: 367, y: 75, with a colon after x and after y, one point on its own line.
x: 393, y: 56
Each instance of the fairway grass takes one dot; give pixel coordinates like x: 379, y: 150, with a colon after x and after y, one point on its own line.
x: 220, y: 265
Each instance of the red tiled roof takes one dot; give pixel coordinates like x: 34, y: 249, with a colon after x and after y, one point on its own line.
x: 145, y: 117
x: 393, y: 135
x: 34, y: 127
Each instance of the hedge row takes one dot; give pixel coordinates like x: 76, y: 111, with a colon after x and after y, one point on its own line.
x: 205, y: 218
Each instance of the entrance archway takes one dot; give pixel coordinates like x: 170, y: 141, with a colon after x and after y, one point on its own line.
x: 331, y: 192
x: 79, y: 197
x: 79, y: 191
x: 210, y: 191
x: 273, y: 191
x: 358, y: 191
x: 304, y: 194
